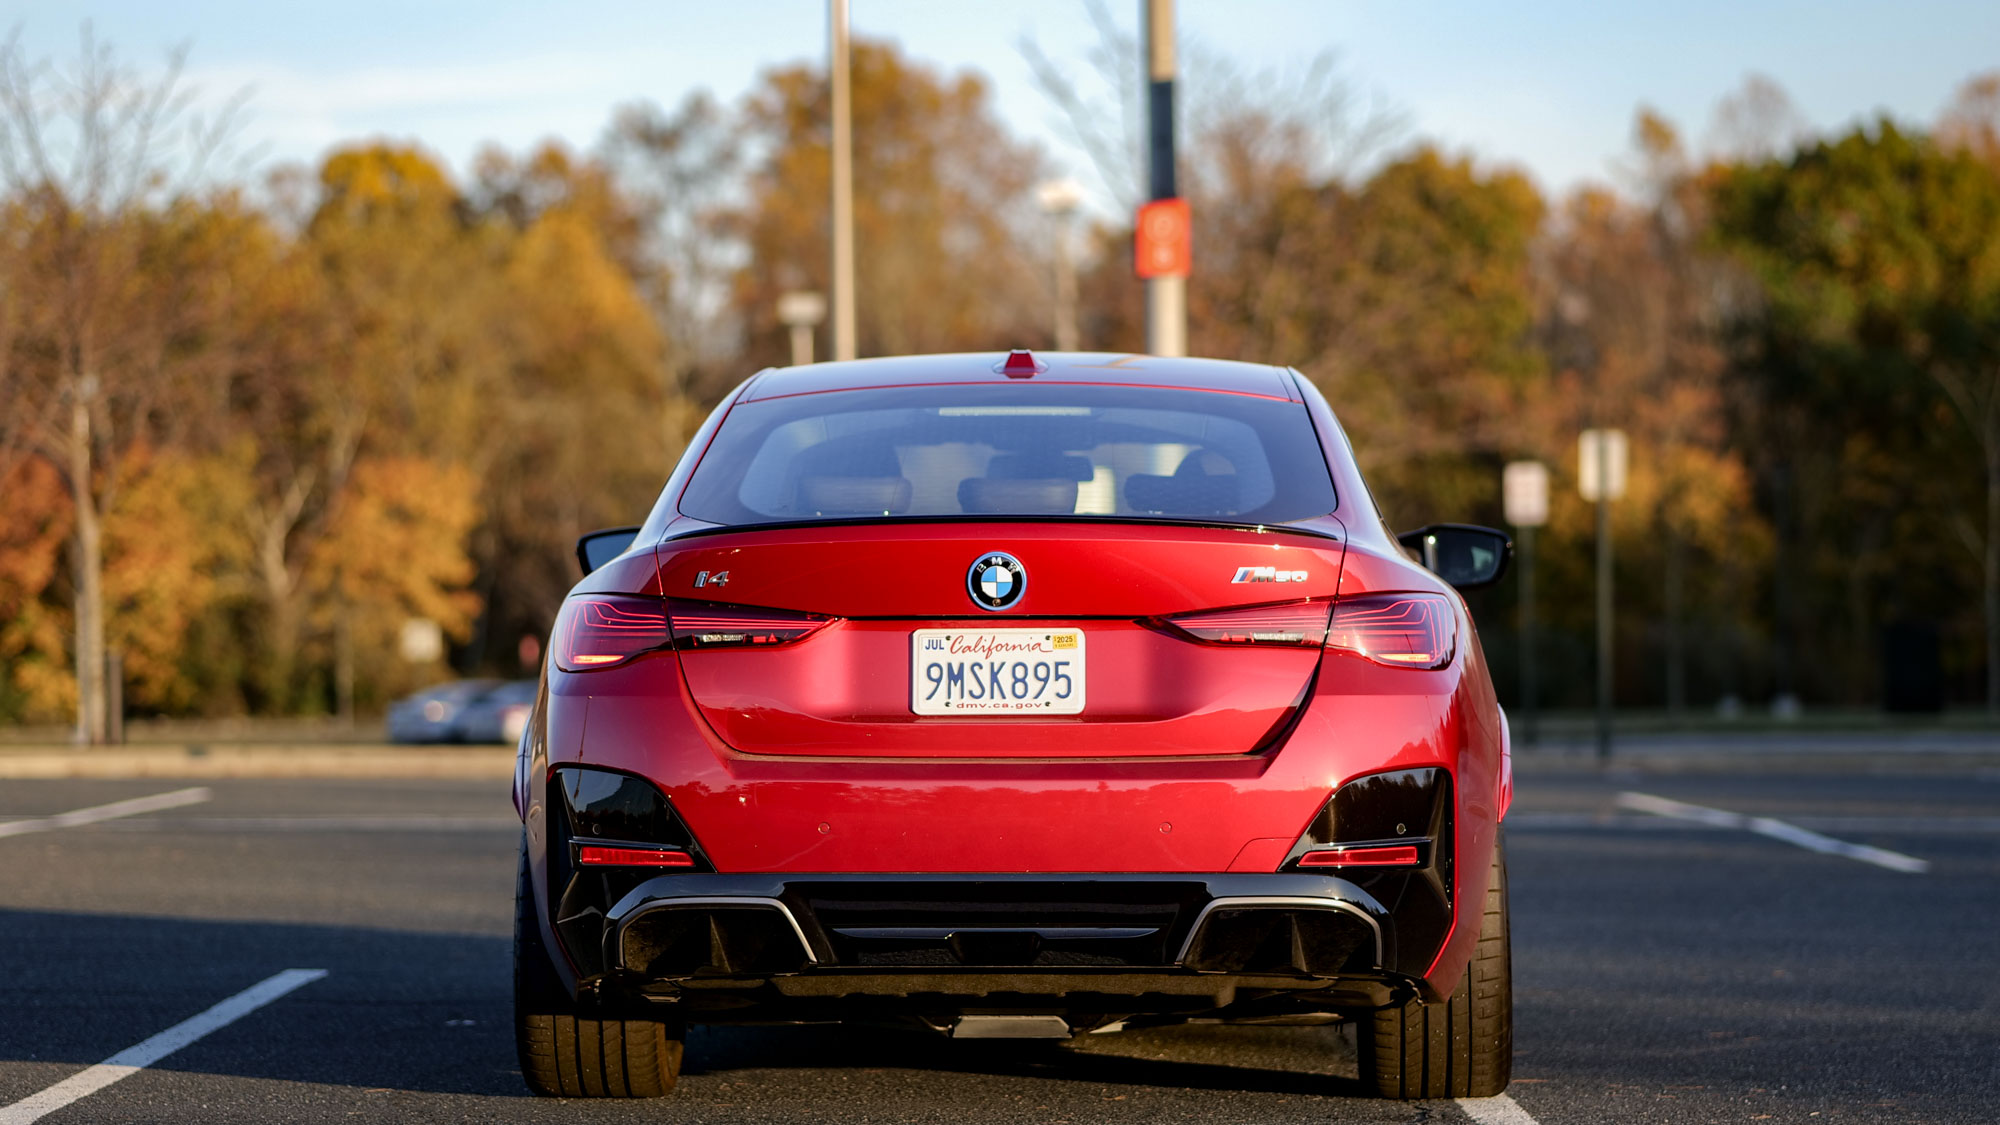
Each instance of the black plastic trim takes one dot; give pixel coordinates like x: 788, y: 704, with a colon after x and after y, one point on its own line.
x: 827, y: 908
x: 724, y: 948
x: 616, y: 808
x: 1126, y: 521
x: 1413, y: 806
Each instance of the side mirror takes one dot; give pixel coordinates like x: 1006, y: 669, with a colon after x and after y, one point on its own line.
x: 600, y: 547
x: 1468, y: 557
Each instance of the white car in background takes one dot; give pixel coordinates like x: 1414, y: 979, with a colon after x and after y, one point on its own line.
x: 432, y: 715
x: 500, y: 715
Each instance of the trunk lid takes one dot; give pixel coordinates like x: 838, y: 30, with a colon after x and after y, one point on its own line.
x: 847, y: 689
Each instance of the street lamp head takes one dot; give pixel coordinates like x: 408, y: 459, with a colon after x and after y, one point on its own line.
x: 801, y: 309
x: 1573, y: 307
x: 1059, y: 197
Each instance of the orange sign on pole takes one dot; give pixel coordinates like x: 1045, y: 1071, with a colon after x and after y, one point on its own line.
x: 1163, y: 240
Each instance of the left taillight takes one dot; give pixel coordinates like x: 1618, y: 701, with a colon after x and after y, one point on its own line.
x: 602, y: 630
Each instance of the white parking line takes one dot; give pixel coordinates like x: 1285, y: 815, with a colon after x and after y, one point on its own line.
x: 343, y: 824
x: 115, y: 809
x: 1558, y: 821
x: 1775, y: 829
x: 1497, y: 1110
x: 133, y: 1059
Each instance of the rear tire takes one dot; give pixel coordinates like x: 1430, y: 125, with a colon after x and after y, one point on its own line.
x: 1463, y: 1046
x: 564, y: 1055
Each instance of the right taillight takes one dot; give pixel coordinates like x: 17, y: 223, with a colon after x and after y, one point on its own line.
x: 1400, y: 630
x: 1295, y: 624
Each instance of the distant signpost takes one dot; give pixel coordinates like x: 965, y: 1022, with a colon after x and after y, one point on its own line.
x: 1600, y: 464
x: 801, y: 312
x: 1600, y: 477
x: 1524, y: 494
x: 421, y: 640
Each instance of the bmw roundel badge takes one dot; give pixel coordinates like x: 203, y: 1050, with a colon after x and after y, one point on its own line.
x: 996, y: 581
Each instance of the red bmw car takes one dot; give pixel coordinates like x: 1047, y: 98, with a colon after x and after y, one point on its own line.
x: 1017, y: 696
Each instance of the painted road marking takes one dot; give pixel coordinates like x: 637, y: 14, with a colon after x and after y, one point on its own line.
x: 133, y: 1059
x: 1497, y: 1110
x: 112, y: 811
x: 1901, y: 825
x: 322, y: 824
x: 1775, y: 829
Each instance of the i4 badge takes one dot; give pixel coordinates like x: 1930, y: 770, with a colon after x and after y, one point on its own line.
x: 996, y: 581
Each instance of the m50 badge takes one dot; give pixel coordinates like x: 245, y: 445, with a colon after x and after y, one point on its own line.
x: 1267, y: 574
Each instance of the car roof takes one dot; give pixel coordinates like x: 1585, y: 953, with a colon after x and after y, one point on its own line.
x: 1073, y: 368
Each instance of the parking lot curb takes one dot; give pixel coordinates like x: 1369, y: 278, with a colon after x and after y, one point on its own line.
x: 307, y: 760
x: 1759, y: 762
x: 302, y: 761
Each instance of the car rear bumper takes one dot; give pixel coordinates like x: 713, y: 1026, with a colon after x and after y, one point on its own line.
x: 1092, y: 949
x: 1224, y: 825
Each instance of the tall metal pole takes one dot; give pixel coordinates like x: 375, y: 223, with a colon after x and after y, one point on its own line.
x: 1166, y: 297
x: 1059, y: 199
x: 843, y: 191
x: 1603, y: 594
x: 1065, y: 288
x: 1530, y: 690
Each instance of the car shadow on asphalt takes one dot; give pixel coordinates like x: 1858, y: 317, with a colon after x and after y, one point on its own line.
x: 431, y: 1013
x: 1300, y: 1061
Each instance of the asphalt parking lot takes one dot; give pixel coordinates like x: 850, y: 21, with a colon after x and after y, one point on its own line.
x: 1689, y: 947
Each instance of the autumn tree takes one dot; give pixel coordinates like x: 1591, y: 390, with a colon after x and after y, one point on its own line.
x: 1879, y: 258
x: 1972, y: 121
x: 104, y: 322
x: 1631, y: 300
x: 592, y: 415
x: 1407, y: 298
x: 941, y: 198
x: 683, y: 173
x: 34, y: 524
x: 1757, y: 121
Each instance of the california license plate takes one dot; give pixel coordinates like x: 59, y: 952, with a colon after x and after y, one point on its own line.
x: 996, y: 671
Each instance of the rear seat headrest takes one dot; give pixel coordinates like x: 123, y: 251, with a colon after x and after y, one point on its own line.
x: 854, y: 496
x: 1040, y: 466
x: 987, y: 496
x: 1204, y: 484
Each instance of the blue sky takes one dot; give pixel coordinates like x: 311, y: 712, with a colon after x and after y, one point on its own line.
x: 1550, y: 87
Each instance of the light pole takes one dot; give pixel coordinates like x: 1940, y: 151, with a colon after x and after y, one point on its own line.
x: 1059, y: 199
x: 843, y: 188
x: 801, y: 312
x: 1161, y: 240
x: 1524, y: 492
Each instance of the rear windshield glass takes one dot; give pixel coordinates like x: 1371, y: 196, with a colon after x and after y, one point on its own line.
x: 1012, y: 451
